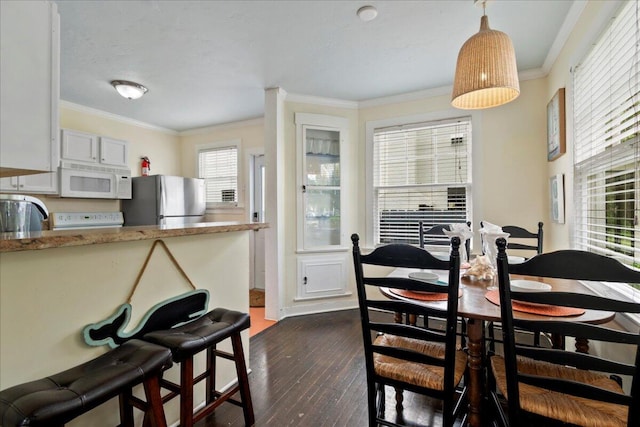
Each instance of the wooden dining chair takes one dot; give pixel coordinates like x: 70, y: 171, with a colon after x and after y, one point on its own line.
x: 567, y: 386
x: 435, y: 236
x: 523, y: 239
x: 518, y: 238
x: 404, y: 356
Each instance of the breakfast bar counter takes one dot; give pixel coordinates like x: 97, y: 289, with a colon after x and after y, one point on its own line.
x: 13, y: 242
x: 54, y: 283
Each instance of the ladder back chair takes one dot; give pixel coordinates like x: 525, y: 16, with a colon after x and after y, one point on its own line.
x: 521, y: 235
x: 434, y: 236
x: 404, y: 356
x: 567, y: 386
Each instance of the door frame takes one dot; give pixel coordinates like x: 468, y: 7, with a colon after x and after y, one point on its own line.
x: 251, y: 154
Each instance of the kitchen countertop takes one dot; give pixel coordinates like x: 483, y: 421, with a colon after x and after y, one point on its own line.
x: 10, y: 242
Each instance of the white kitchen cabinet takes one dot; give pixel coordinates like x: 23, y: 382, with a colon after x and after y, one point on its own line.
x: 40, y: 183
x: 87, y: 147
x: 30, y: 81
x: 320, y: 141
x: 114, y: 152
x: 80, y: 146
x: 322, y: 276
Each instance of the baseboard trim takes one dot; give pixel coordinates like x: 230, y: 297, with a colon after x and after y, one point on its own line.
x: 320, y: 307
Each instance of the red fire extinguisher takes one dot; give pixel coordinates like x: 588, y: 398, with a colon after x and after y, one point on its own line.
x: 146, y: 166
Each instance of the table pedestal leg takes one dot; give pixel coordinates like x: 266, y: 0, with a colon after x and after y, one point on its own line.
x: 475, y: 334
x: 582, y: 345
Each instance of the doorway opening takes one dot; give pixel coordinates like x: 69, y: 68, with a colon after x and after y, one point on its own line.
x: 257, y: 262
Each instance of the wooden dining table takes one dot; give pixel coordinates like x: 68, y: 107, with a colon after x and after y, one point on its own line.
x: 477, y: 309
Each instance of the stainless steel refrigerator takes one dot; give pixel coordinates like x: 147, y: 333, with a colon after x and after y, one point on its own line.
x: 164, y: 200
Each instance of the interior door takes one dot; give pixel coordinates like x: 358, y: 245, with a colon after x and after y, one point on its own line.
x: 258, y: 216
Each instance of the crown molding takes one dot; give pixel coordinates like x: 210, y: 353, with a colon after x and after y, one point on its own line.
x: 567, y: 27
x: 533, y: 74
x: 258, y: 121
x: 318, y: 100
x: 406, y: 97
x: 93, y: 111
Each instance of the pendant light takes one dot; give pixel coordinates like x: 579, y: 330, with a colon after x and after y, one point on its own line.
x: 486, y: 72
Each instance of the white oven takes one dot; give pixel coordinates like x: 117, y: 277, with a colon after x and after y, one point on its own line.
x: 85, y: 220
x: 94, y: 181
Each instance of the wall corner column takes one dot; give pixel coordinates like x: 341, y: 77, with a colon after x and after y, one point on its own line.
x: 274, y: 203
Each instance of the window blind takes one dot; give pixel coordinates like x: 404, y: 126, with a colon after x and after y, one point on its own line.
x: 421, y: 172
x: 219, y: 168
x: 606, y: 142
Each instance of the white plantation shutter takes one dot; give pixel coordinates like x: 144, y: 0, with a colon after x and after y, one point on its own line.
x: 606, y: 148
x: 219, y: 168
x: 421, y: 172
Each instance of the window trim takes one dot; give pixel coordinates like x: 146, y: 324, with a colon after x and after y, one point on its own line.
x: 225, y: 207
x: 596, y: 30
x: 448, y: 114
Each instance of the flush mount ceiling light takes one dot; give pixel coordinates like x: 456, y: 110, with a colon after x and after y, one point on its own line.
x: 130, y: 90
x: 486, y: 72
x: 367, y: 13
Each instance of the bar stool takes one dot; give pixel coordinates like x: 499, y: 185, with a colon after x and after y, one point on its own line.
x: 204, y: 334
x: 57, y: 399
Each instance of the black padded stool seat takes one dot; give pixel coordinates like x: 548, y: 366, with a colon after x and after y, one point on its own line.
x: 204, y: 334
x: 55, y: 400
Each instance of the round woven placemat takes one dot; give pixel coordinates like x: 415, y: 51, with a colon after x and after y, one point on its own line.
x: 544, y: 310
x: 423, y: 296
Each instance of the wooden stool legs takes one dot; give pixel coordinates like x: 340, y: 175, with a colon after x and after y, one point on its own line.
x: 213, y: 397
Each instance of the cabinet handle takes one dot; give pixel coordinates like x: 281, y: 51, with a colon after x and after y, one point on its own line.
x: 304, y: 188
x: 304, y: 280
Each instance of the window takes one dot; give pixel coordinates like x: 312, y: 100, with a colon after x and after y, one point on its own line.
x: 218, y: 165
x: 607, y: 142
x: 420, y: 172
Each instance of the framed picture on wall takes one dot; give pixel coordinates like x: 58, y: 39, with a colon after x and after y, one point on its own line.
x: 556, y: 134
x: 556, y: 191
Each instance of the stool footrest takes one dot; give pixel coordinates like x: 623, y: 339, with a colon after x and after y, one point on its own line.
x: 236, y: 402
x: 169, y: 385
x: 223, y: 354
x: 211, y: 406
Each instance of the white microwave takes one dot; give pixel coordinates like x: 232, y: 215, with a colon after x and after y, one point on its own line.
x: 94, y: 181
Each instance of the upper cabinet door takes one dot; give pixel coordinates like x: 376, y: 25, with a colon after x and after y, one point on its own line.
x: 78, y: 145
x: 113, y: 151
x: 29, y: 77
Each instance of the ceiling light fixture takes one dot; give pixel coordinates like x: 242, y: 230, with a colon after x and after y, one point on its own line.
x: 367, y: 13
x: 130, y: 90
x: 486, y: 72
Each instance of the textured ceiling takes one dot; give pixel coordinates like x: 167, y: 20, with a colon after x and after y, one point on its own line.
x: 209, y: 62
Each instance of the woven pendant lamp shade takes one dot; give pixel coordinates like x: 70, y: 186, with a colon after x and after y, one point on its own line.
x: 486, y: 73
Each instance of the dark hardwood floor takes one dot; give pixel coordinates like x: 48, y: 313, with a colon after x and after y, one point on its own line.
x: 309, y: 371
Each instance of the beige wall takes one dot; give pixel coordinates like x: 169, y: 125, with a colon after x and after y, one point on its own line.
x: 251, y: 136
x: 589, y: 25
x: 510, y: 170
x: 509, y: 156
x: 161, y: 147
x: 50, y: 295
